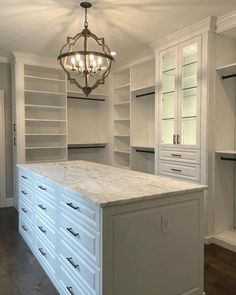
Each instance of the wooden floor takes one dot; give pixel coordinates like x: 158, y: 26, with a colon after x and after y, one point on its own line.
x: 21, y: 274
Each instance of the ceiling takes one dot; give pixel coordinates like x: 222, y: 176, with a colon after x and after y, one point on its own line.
x: 41, y: 26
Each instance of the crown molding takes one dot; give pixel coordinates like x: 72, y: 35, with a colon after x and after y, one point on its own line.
x: 206, y: 25
x: 33, y: 59
x: 4, y: 59
x: 226, y: 22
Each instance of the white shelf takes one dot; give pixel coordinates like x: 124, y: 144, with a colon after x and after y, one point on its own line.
x: 44, y: 106
x: 227, y: 70
x: 121, y: 87
x: 123, y: 119
x: 226, y: 152
x: 123, y: 103
x: 44, y: 78
x: 44, y: 92
x: 45, y: 147
x: 42, y: 134
x: 226, y: 239
x: 44, y: 120
x: 121, y: 135
x: 122, y: 151
x: 144, y: 90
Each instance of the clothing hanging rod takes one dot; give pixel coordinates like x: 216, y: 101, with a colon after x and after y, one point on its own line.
x: 228, y: 76
x: 86, y: 146
x: 145, y: 94
x: 228, y: 159
x: 86, y: 98
x: 145, y: 151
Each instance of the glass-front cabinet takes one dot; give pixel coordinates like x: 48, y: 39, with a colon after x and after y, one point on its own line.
x: 179, y: 90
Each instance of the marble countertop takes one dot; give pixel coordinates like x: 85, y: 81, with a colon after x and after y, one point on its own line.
x: 107, y: 185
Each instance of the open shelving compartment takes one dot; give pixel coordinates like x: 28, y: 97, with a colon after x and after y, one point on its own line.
x: 88, y: 126
x: 45, y: 114
x: 121, y: 119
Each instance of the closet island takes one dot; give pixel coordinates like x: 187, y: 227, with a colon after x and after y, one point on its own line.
x: 103, y: 230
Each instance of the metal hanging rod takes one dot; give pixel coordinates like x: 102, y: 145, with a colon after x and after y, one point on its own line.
x: 145, y: 151
x: 228, y: 159
x: 145, y: 94
x: 228, y: 76
x: 86, y: 146
x: 86, y: 98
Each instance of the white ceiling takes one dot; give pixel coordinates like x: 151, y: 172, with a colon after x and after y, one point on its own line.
x: 41, y: 26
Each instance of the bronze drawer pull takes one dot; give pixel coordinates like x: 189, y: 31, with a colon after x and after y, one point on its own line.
x: 24, y: 177
x: 24, y: 193
x: 42, y: 207
x: 176, y: 155
x: 72, y: 206
x: 24, y: 228
x: 71, y: 262
x: 178, y: 139
x: 42, y: 188
x: 70, y: 290
x: 176, y: 170
x: 24, y: 210
x: 174, y: 139
x: 42, y: 230
x: 70, y: 230
x: 41, y: 251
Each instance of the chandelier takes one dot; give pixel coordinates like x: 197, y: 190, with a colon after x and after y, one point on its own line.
x: 85, y: 58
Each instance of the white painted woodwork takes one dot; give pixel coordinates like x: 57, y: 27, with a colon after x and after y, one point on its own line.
x: 2, y: 152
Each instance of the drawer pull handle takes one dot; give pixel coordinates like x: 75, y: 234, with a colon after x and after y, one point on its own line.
x: 24, y: 210
x: 42, y: 230
x: 24, y: 228
x: 42, y: 207
x: 70, y: 230
x: 178, y: 139
x: 24, y: 193
x: 24, y: 177
x: 42, y: 188
x: 72, y: 206
x: 176, y: 170
x: 72, y: 263
x: 41, y: 251
x: 174, y: 139
x: 176, y: 155
x: 70, y: 290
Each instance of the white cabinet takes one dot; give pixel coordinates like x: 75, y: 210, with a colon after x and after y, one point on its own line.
x: 180, y: 74
x: 88, y: 249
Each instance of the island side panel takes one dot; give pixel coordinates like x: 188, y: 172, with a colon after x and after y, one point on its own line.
x: 154, y: 247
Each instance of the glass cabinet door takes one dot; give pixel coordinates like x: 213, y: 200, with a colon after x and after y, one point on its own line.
x: 188, y: 102
x: 168, y: 97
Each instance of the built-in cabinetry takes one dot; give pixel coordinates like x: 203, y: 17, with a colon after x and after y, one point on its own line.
x: 134, y: 117
x: 100, y: 243
x: 88, y: 124
x: 178, y: 95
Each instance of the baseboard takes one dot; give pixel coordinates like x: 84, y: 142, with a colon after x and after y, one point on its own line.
x: 224, y: 243
x: 208, y: 240
x: 10, y: 202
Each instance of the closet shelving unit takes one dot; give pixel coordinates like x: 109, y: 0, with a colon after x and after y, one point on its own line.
x: 88, y: 124
x: 121, y: 119
x: 143, y: 117
x: 45, y: 114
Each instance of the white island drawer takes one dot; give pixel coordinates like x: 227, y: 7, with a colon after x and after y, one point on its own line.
x: 26, y: 230
x: 78, y: 207
x: 86, y: 273
x: 25, y: 177
x: 26, y: 193
x: 47, y: 209
x: 46, y: 232
x: 190, y: 172
x: 46, y: 189
x: 26, y: 211
x: 82, y: 237
x: 188, y: 156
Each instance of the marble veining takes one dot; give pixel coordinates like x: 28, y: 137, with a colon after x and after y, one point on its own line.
x: 107, y: 185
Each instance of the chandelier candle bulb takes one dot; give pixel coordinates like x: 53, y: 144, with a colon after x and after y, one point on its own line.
x: 88, y: 67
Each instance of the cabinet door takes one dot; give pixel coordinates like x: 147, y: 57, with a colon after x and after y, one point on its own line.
x: 189, y: 94
x: 168, y: 97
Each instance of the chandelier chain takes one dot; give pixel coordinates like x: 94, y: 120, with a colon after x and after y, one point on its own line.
x: 86, y: 19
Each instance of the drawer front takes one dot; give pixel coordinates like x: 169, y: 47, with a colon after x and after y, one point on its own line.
x: 47, y: 190
x: 79, y: 208
x: 47, y: 209
x: 26, y: 193
x: 80, y: 235
x: 180, y: 171
x: 48, y: 257
x: 180, y: 156
x: 26, y: 230
x: 84, y: 272
x: 25, y: 177
x: 68, y: 285
x: 26, y: 211
x: 46, y: 232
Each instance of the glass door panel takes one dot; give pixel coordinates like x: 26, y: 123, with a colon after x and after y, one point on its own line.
x: 189, y: 131
x: 168, y: 130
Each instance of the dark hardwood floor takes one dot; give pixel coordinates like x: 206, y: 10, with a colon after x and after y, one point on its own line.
x: 21, y: 274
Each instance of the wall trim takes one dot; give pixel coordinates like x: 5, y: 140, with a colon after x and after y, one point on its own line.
x: 4, y: 59
x: 226, y: 22
x: 206, y: 25
x: 2, y: 152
